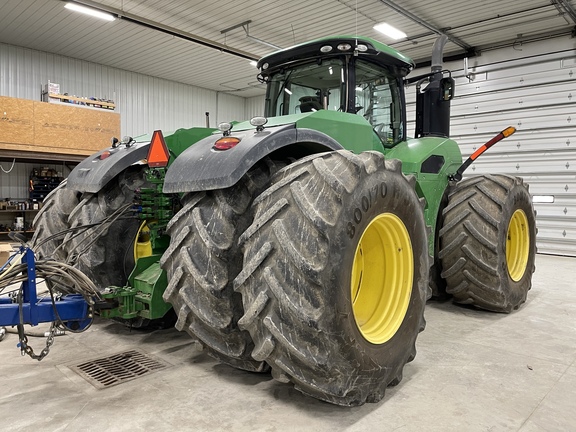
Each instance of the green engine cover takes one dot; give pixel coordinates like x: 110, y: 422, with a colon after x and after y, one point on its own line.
x: 431, y: 160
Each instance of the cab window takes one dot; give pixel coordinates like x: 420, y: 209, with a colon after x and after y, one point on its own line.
x: 378, y: 100
x: 307, y: 87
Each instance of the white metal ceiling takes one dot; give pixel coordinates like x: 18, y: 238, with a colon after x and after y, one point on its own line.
x: 482, y: 25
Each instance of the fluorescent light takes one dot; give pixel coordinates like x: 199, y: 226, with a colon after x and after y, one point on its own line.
x: 253, y: 63
x: 89, y: 11
x: 390, y: 31
x: 287, y: 91
x: 543, y: 199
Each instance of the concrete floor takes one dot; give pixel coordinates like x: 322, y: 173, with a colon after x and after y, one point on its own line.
x: 475, y: 371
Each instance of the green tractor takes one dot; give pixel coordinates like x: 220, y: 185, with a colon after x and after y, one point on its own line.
x: 306, y: 241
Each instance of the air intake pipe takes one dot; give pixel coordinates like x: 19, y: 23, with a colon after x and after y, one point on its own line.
x: 433, y: 101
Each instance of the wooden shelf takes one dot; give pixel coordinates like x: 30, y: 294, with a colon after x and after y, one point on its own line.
x: 88, y: 102
x: 16, y: 212
x: 58, y: 130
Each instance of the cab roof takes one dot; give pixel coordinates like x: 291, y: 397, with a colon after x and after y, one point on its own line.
x: 377, y: 51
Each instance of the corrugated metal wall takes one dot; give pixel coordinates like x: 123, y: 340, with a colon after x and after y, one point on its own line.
x: 254, y: 106
x: 533, y: 90
x: 145, y: 103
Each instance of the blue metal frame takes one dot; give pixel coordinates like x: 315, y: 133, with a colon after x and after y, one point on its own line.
x: 71, y: 309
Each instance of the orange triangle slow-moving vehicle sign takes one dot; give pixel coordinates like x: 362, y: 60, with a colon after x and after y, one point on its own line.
x: 158, y: 153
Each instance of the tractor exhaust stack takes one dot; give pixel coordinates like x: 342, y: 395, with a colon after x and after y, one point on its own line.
x: 433, y: 101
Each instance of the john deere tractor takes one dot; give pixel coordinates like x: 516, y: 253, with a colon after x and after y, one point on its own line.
x: 306, y: 241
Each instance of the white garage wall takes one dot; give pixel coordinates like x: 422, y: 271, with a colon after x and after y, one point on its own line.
x: 145, y: 103
x: 254, y: 106
x: 533, y: 88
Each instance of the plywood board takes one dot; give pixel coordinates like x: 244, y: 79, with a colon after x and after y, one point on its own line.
x: 60, y: 127
x: 16, y: 120
x: 53, y: 128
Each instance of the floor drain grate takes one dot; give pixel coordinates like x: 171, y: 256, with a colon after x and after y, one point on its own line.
x: 118, y: 368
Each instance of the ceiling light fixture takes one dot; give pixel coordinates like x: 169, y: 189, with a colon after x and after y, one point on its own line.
x: 172, y: 31
x: 89, y: 11
x: 390, y: 31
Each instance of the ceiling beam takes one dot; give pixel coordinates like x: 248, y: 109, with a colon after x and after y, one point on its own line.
x: 399, y: 9
x: 565, y: 8
x: 246, y: 27
x: 135, y: 19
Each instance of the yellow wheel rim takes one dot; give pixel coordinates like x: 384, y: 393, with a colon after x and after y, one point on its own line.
x: 382, y: 276
x: 517, y: 245
x: 142, y: 245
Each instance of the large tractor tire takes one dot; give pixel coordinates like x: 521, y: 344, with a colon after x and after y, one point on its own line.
x: 202, y: 261
x: 335, y: 275
x: 51, y: 223
x: 105, y: 250
x: 488, y: 242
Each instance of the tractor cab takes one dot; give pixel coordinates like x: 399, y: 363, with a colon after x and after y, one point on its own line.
x: 346, y: 74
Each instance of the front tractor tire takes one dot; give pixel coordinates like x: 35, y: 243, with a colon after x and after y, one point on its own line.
x: 335, y: 276
x: 488, y: 242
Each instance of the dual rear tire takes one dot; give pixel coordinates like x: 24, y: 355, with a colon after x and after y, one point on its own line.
x: 322, y: 277
x: 204, y: 258
x: 94, y: 232
x: 335, y: 276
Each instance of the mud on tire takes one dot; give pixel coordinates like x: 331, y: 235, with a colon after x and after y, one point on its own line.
x: 301, y: 260
x: 204, y: 258
x: 488, y: 242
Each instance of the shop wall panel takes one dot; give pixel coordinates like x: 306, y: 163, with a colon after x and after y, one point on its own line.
x: 144, y: 103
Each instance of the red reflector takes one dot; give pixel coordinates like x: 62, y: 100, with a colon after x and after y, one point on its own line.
x: 104, y: 155
x: 226, y: 143
x: 158, y: 153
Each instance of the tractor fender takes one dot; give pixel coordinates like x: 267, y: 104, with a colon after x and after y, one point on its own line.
x: 201, y: 167
x: 95, y: 171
